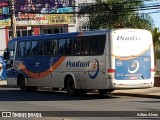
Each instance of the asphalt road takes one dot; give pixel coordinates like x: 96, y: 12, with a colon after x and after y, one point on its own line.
x: 61, y: 106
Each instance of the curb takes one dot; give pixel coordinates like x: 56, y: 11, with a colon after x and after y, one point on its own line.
x: 157, y: 81
x: 137, y: 95
x: 3, y: 83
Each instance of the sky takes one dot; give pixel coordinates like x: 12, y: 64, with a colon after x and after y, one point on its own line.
x: 156, y: 18
x: 154, y: 13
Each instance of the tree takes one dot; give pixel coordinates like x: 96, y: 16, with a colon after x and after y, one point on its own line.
x: 156, y: 41
x: 111, y: 13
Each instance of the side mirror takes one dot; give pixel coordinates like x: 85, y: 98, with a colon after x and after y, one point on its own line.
x: 6, y: 55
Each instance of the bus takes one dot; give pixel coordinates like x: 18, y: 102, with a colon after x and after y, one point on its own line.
x: 2, y: 66
x: 102, y: 60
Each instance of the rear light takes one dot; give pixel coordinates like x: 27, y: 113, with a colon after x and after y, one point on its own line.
x: 111, y: 70
x: 152, y: 70
x: 111, y: 73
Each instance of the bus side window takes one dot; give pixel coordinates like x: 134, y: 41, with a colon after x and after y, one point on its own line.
x: 93, y: 45
x: 34, y: 48
x: 77, y: 46
x: 61, y: 47
x: 47, y: 47
x: 101, y: 44
x: 28, y: 48
x: 68, y: 47
x: 41, y: 47
x: 22, y: 49
x: 85, y: 45
x: 55, y: 47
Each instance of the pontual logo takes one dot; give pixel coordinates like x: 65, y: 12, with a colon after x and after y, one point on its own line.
x: 128, y: 38
x: 95, y: 67
x: 134, y: 67
x: 92, y: 65
x: 77, y: 64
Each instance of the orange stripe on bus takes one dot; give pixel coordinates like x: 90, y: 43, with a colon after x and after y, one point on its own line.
x: 131, y: 57
x: 80, y: 34
x: 42, y: 74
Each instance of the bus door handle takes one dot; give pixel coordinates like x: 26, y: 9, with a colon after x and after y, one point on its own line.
x: 37, y: 64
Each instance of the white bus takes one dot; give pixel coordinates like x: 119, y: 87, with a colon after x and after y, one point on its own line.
x: 103, y: 60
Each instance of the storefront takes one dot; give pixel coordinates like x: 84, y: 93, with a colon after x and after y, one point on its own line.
x: 34, y: 24
x: 34, y: 17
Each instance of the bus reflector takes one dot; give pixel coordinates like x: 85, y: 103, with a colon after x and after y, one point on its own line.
x: 152, y: 69
x: 111, y: 73
x: 111, y: 70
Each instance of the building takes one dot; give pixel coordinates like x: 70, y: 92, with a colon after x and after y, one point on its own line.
x: 34, y: 17
x: 82, y: 22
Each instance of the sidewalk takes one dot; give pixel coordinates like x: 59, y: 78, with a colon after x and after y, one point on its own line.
x: 146, y: 93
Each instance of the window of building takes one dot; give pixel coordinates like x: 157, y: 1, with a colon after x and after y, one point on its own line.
x: 53, y: 30
x: 21, y: 33
x: 24, y: 33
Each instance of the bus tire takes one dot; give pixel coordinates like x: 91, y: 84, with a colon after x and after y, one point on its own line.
x: 81, y: 91
x: 55, y: 89
x: 32, y: 88
x: 70, y: 85
x: 103, y: 92
x: 22, y: 84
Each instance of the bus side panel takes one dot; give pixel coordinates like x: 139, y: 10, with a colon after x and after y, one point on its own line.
x: 108, y: 83
x: 48, y: 73
x: 88, y: 71
x: 96, y: 73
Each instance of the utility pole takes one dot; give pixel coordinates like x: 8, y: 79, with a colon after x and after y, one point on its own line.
x: 13, y: 20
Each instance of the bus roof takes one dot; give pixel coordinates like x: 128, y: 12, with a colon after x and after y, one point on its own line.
x: 62, y: 35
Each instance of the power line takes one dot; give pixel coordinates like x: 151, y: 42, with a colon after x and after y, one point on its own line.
x: 108, y: 7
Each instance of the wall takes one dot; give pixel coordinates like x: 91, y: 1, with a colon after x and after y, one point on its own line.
x: 71, y: 27
x: 82, y: 21
x: 2, y: 38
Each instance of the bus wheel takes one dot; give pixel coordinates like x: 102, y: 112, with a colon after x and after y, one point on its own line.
x: 81, y: 91
x: 103, y: 92
x: 55, y: 89
x: 22, y: 84
x: 71, y: 86
x: 32, y: 88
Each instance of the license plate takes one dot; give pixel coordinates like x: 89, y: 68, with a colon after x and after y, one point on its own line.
x: 133, y: 78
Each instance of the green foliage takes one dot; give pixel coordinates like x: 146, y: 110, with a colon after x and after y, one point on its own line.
x: 156, y: 41
x: 112, y: 13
